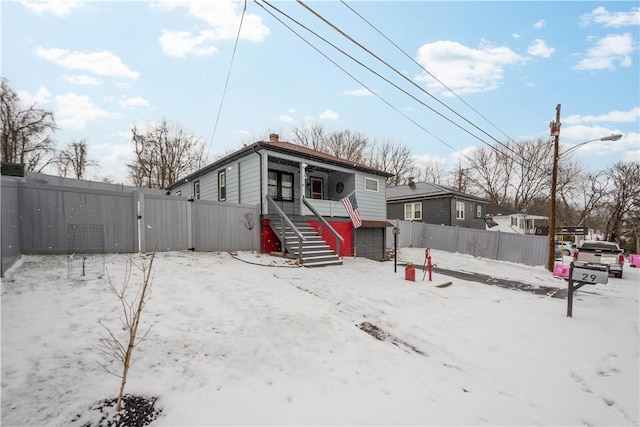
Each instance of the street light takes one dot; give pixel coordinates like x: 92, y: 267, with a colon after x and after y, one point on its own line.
x: 555, y: 132
x: 615, y: 137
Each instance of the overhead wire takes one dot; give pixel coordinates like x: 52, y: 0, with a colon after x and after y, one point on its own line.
x: 226, y: 83
x: 351, y: 39
x: 377, y: 74
x: 427, y: 71
x: 348, y: 73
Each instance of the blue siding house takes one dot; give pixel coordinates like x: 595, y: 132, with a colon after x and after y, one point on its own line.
x: 299, y: 192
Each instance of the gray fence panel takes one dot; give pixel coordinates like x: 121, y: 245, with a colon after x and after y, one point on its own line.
x: 46, y: 210
x: 10, y: 246
x: 167, y: 220
x: 221, y: 227
x: 518, y: 248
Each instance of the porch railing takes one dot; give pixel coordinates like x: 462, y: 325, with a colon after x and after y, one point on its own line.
x: 321, y: 222
x: 285, y: 219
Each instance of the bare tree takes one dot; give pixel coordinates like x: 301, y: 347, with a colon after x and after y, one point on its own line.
x: 625, y: 194
x: 164, y: 154
x: 25, y: 132
x: 312, y: 136
x: 249, y: 222
x: 433, y: 172
x: 132, y: 302
x: 347, y: 145
x: 74, y: 160
x: 512, y: 174
x: 392, y: 158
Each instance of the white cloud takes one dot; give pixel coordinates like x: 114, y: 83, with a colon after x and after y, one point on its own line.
x: 329, y: 115
x: 182, y: 43
x: 222, y: 16
x: 135, y: 101
x: 464, y: 69
x: 57, y: 7
x: 601, y: 16
x: 358, y: 92
x: 285, y: 118
x: 515, y: 35
x: 539, y: 24
x: 42, y: 96
x: 539, y: 48
x: 75, y: 111
x: 615, y: 116
x: 291, y: 110
x: 103, y: 63
x: 81, y: 79
x: 607, y: 51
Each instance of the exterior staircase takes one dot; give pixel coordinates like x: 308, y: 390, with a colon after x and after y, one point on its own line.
x: 314, y: 251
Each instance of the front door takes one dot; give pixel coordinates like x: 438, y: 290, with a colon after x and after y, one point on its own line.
x: 316, y: 188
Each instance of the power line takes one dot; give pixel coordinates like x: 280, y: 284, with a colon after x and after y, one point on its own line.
x: 377, y: 74
x: 346, y: 72
x: 427, y: 71
x: 226, y: 83
x: 351, y: 39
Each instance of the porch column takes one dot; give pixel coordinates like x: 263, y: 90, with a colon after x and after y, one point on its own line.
x: 303, y: 185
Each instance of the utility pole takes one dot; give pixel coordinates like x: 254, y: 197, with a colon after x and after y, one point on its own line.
x: 555, y: 133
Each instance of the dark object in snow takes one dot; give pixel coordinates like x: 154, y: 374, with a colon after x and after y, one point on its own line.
x: 382, y: 335
x: 137, y: 411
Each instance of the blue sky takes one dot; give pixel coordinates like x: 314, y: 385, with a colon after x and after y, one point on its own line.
x: 103, y: 67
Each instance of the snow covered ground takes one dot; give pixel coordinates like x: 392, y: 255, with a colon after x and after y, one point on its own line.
x: 234, y: 343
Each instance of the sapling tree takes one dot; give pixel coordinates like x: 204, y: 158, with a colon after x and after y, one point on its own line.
x: 132, y: 301
x: 249, y: 222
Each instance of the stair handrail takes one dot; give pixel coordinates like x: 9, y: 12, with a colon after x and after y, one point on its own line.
x: 284, y: 218
x: 324, y: 222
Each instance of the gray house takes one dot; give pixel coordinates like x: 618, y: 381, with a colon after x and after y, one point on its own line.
x: 434, y: 204
x: 300, y: 194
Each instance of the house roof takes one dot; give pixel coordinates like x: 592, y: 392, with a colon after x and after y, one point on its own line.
x: 426, y: 190
x: 494, y: 209
x: 284, y: 148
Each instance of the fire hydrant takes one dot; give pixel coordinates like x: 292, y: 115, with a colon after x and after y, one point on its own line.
x: 410, y: 272
x: 428, y: 266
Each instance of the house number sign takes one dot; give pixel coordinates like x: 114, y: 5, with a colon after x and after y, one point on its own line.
x: 339, y: 187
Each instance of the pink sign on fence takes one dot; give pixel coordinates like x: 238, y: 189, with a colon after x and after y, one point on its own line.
x: 561, y: 270
x: 634, y: 260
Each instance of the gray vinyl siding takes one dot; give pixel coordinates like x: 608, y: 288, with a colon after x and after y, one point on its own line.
x: 249, y: 183
x: 434, y: 211
x: 470, y: 220
x: 437, y: 211
x: 372, y: 205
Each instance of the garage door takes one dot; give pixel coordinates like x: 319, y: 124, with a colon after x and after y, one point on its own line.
x: 369, y: 242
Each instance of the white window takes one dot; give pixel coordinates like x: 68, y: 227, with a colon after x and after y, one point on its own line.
x: 459, y: 210
x: 196, y: 189
x: 514, y: 221
x: 371, y: 184
x: 412, y: 211
x: 222, y: 185
x: 479, y: 211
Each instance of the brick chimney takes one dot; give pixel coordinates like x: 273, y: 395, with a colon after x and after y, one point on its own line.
x: 274, y: 137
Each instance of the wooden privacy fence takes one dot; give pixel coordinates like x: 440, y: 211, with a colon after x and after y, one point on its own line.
x: 35, y: 218
x: 512, y: 247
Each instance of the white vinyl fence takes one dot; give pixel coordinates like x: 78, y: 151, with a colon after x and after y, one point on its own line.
x: 36, y: 218
x: 518, y: 248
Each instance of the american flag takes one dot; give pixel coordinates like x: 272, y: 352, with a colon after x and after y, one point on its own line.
x: 351, y: 205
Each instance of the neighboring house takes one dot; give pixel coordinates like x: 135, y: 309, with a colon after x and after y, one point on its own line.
x: 501, y: 218
x: 434, y: 204
x: 289, y: 182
